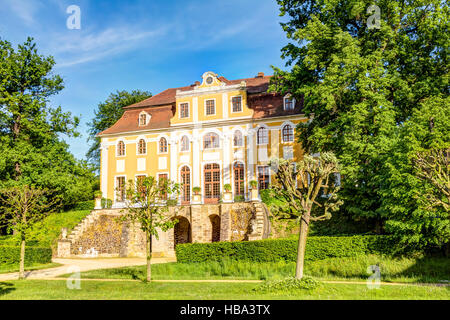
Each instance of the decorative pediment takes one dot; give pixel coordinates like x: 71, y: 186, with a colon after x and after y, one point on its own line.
x: 210, y: 79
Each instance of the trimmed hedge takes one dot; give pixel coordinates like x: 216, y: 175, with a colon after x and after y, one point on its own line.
x: 270, y: 250
x: 11, y: 255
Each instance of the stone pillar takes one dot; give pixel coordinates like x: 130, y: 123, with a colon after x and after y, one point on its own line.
x: 64, y: 247
x: 225, y: 221
x: 196, y: 223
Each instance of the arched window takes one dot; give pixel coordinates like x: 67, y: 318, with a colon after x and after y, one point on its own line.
x: 211, y: 140
x: 184, y: 143
x: 288, y: 133
x: 142, y: 147
x: 185, y: 185
x: 238, y: 169
x: 237, y: 139
x: 162, y: 145
x: 289, y: 102
x: 262, y: 137
x: 121, y: 148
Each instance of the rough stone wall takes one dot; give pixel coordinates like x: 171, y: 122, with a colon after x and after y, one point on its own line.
x: 199, y: 223
x: 104, y: 236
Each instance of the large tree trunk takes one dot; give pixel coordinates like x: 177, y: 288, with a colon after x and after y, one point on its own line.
x: 22, y: 260
x: 304, y: 224
x: 149, y: 257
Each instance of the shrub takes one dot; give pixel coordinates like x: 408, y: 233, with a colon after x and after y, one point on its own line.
x: 288, y: 284
x: 270, y: 250
x: 84, y: 205
x: 106, y: 203
x: 11, y: 255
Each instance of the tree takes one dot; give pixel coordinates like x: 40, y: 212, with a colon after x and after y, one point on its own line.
x: 303, y: 186
x: 360, y: 86
x: 30, y: 129
x: 24, y: 206
x: 107, y: 113
x: 147, y: 203
x: 432, y: 166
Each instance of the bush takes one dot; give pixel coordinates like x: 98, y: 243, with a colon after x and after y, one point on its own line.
x: 11, y: 255
x: 270, y: 250
x: 84, y: 205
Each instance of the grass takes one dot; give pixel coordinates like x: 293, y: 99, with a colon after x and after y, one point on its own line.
x: 34, y: 266
x: 92, y: 290
x: 47, y: 231
x: 350, y: 268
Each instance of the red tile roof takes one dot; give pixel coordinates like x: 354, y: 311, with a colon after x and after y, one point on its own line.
x: 161, y: 107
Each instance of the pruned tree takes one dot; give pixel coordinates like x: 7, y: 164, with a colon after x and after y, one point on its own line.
x: 147, y: 202
x: 306, y: 185
x: 23, y: 207
x: 433, y: 167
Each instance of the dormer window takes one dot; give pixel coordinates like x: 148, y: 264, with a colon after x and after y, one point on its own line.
x: 144, y: 118
x: 289, y: 102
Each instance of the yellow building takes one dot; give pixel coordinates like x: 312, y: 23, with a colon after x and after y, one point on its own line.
x: 204, y: 135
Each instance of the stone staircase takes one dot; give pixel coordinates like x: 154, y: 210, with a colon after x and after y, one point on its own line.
x: 260, y: 223
x: 65, y: 243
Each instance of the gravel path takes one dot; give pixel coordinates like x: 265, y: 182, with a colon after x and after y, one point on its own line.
x: 81, y: 265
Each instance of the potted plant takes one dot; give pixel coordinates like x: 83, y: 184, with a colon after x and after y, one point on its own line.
x: 98, y: 199
x: 227, y: 196
x: 254, y: 196
x: 197, y: 197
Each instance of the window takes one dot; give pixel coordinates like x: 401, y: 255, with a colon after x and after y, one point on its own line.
x: 185, y: 185
x: 262, y: 136
x: 163, y: 179
x: 210, y: 107
x: 238, y: 169
x: 237, y: 139
x: 237, y: 104
x: 120, y: 187
x: 288, y: 133
x: 184, y: 143
x: 210, y: 141
x: 184, y: 110
x: 140, y: 185
x: 142, y: 119
x: 142, y: 147
x: 121, y: 148
x: 289, y: 103
x: 263, y: 177
x: 162, y: 145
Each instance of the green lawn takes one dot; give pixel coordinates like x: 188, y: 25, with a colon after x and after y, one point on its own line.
x: 40, y: 289
x: 35, y: 266
x: 351, y: 268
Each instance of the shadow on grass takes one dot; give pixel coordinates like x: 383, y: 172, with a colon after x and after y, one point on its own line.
x: 430, y: 269
x: 6, y: 287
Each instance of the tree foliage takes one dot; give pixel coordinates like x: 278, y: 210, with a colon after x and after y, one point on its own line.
x: 365, y: 89
x: 24, y: 206
x: 107, y: 113
x: 32, y: 152
x: 147, y: 203
x: 304, y: 185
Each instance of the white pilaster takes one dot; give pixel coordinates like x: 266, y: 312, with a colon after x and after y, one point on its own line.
x: 227, y: 152
x: 225, y: 105
x: 173, y: 158
x: 195, y: 109
x: 196, y: 158
x: 104, y: 168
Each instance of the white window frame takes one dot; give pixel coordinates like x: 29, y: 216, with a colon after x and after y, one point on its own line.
x: 189, y: 110
x: 267, y: 133
x: 117, y: 149
x: 181, y: 143
x: 215, y: 107
x: 137, y: 146
x: 231, y: 103
x: 293, y: 132
x: 115, y: 187
x: 288, y: 96
x: 158, y: 145
x: 242, y: 138
x: 147, y: 119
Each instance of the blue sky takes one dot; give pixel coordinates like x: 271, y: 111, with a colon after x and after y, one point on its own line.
x: 147, y: 45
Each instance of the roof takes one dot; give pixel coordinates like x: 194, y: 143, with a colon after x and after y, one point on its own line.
x: 161, y: 107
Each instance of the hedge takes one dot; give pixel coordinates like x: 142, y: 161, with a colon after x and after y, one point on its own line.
x: 270, y: 250
x: 11, y: 255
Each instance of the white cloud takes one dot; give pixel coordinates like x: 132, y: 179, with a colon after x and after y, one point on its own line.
x: 24, y: 9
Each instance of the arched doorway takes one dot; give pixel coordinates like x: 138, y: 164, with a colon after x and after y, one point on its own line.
x: 212, y: 182
x: 185, y: 185
x: 215, y: 227
x: 182, y: 231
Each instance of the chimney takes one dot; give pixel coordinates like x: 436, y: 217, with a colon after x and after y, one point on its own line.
x: 260, y: 75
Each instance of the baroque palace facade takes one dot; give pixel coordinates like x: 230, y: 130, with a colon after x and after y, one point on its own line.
x: 204, y: 135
